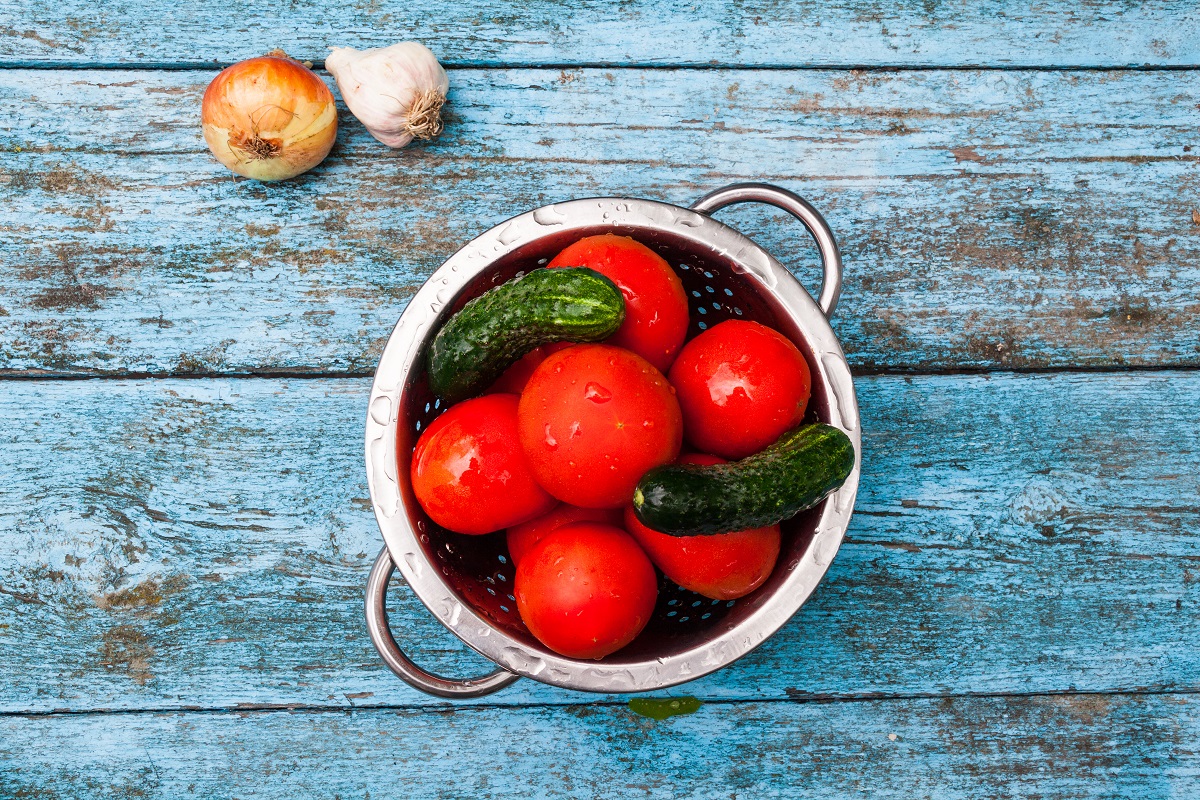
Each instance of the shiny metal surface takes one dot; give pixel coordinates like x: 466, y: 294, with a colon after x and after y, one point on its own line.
x: 402, y: 665
x: 801, y: 209
x: 466, y: 581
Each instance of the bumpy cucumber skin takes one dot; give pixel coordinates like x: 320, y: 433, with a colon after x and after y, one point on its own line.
x: 795, y: 473
x: 494, y: 330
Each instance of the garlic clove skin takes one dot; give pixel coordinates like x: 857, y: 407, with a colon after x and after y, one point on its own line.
x: 397, y: 92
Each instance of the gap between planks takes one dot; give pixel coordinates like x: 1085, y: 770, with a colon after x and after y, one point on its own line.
x: 670, y: 692
x: 467, y: 66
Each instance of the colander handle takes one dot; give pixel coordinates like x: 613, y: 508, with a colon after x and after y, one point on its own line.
x: 402, y: 665
x: 801, y: 209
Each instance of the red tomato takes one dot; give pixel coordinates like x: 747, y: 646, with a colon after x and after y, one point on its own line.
x: 522, y: 538
x: 740, y: 385
x: 592, y: 419
x: 723, y: 566
x: 586, y: 590
x: 469, y: 472
x: 515, y: 377
x: 656, y: 308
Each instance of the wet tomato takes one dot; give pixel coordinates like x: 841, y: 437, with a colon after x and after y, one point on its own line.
x: 514, y: 378
x: 586, y: 590
x: 740, y: 385
x: 592, y: 419
x: 469, y: 472
x: 521, y: 538
x: 656, y: 309
x: 721, y: 566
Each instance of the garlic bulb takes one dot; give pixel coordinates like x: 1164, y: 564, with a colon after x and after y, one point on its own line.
x: 397, y: 92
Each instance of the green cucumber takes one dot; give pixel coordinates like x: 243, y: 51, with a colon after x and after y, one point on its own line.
x: 490, y: 333
x: 795, y: 473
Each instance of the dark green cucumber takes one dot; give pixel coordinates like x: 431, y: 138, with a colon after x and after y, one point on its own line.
x: 494, y: 330
x: 798, y: 471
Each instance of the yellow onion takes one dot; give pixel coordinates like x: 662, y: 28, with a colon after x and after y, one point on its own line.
x: 269, y: 118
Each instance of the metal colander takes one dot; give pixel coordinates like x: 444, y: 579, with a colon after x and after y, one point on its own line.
x: 466, y: 581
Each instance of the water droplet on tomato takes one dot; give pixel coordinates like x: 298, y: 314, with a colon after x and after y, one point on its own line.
x: 551, y: 442
x: 647, y: 424
x: 596, y: 393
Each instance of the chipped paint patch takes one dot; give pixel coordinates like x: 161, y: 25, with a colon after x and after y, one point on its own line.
x: 127, y: 649
x: 145, y: 595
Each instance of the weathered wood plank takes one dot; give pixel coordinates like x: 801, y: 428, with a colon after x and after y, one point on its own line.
x: 204, y: 543
x: 1120, y: 747
x: 989, y: 219
x: 790, y: 33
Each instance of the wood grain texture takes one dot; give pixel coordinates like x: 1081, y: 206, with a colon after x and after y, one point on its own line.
x: 1014, y: 610
x: 753, y: 33
x: 988, y: 219
x: 1125, y: 748
x: 204, y: 543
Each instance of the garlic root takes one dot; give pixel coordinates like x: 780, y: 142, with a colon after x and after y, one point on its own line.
x: 425, y: 117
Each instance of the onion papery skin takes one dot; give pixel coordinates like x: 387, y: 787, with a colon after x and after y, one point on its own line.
x: 269, y: 118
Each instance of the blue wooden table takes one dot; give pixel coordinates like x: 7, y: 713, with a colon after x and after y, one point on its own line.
x: 185, y: 358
